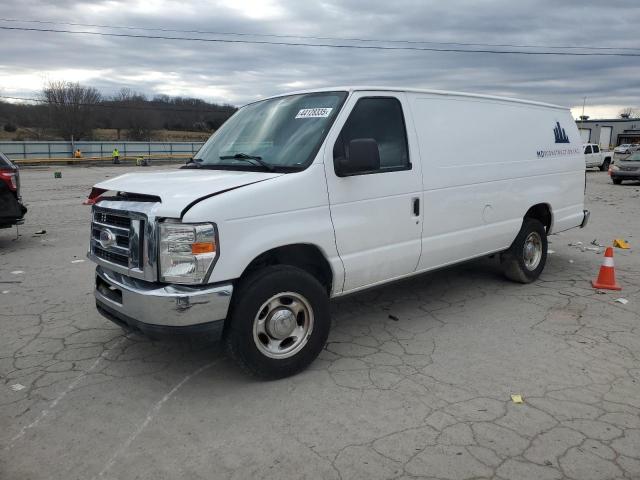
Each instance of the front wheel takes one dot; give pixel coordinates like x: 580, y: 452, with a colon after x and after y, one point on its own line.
x: 279, y: 322
x: 526, y: 257
x: 616, y: 181
x: 605, y: 165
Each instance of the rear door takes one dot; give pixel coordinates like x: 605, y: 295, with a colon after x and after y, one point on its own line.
x: 588, y: 156
x: 596, y: 158
x: 376, y: 214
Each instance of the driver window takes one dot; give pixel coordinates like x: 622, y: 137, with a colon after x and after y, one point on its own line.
x: 587, y: 150
x: 380, y: 119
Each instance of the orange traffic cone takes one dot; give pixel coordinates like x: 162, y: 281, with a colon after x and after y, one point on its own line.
x: 607, y: 276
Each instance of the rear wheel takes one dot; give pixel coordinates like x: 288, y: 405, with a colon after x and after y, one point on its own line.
x: 605, y: 165
x: 279, y: 322
x: 616, y: 181
x: 526, y: 257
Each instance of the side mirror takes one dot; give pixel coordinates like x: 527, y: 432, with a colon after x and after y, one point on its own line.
x: 362, y: 156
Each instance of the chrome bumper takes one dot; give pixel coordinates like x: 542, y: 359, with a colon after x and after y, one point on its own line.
x: 585, y: 218
x: 157, y: 305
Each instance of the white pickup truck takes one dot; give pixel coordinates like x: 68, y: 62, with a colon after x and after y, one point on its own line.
x: 303, y: 197
x: 596, y: 158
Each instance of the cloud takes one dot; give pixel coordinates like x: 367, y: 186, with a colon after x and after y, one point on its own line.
x: 238, y: 73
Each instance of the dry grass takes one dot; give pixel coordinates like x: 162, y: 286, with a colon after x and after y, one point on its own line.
x: 107, y: 134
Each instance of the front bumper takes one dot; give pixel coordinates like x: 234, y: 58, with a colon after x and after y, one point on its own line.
x: 154, y: 307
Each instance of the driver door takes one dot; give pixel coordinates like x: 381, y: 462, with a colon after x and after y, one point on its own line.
x: 376, y: 213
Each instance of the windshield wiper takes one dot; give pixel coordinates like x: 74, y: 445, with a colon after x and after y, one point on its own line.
x: 249, y: 158
x: 192, y: 163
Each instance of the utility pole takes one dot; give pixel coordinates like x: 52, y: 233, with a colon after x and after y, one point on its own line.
x: 584, y: 100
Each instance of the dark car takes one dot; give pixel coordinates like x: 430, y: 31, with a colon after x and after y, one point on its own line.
x: 11, y: 208
x: 627, y: 169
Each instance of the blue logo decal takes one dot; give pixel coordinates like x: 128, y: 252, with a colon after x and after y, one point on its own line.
x: 560, y: 134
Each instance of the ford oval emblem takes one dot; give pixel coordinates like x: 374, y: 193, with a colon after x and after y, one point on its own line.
x: 107, y: 238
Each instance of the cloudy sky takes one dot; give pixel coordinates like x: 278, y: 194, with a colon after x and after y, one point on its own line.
x: 237, y: 73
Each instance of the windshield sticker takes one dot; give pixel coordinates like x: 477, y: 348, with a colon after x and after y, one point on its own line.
x: 314, y: 113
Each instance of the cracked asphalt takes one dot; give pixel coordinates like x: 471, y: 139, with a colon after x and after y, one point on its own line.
x: 415, y: 381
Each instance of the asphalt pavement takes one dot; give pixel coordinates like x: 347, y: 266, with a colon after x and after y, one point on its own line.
x: 415, y: 382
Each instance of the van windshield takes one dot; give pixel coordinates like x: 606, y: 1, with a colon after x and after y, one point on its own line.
x: 277, y: 134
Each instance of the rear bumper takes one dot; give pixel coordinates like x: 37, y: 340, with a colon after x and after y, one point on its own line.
x: 12, y: 211
x: 585, y: 219
x: 160, y: 308
x: 633, y: 175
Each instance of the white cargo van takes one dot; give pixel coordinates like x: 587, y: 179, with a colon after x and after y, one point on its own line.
x: 303, y: 197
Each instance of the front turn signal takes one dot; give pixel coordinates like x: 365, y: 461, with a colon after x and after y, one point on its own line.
x: 202, y: 247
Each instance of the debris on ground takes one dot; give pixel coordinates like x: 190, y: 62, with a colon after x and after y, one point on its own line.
x: 394, y: 318
x: 551, y: 251
x: 620, y: 243
x: 517, y: 398
x: 16, y: 387
x: 621, y: 300
x: 40, y: 232
x: 17, y: 272
x: 596, y: 246
x: 77, y: 261
x: 4, y: 292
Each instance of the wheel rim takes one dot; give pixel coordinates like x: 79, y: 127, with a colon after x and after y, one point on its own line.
x: 532, y: 252
x: 283, y: 325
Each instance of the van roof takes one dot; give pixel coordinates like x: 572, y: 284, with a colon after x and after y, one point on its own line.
x: 417, y: 90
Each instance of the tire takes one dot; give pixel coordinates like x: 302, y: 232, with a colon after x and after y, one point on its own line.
x: 525, y: 259
x: 279, y: 322
x: 616, y: 181
x: 605, y: 165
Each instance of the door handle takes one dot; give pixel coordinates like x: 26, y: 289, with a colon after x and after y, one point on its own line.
x: 416, y: 207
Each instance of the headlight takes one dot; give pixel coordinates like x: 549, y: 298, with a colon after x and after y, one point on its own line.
x: 614, y: 168
x: 187, y: 251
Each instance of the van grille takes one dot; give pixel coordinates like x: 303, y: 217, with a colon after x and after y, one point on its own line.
x: 116, y: 258
x: 111, y: 219
x: 114, y: 239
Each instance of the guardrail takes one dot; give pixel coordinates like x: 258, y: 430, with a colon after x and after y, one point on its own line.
x: 65, y: 150
x: 89, y: 160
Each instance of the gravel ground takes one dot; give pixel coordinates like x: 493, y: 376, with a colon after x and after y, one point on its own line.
x: 415, y: 380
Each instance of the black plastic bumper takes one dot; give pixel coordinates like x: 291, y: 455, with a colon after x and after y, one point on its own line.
x: 210, y: 330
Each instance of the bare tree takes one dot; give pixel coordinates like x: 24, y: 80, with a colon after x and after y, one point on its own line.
x: 627, y: 113
x: 131, y: 114
x: 71, y: 107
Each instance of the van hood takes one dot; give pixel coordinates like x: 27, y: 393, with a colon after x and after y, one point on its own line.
x: 178, y: 189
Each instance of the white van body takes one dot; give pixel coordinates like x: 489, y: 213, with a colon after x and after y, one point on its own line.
x: 477, y: 165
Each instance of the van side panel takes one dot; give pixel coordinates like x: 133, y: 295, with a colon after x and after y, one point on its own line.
x: 480, y: 179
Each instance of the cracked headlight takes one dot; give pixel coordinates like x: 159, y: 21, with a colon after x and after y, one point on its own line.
x: 187, y: 251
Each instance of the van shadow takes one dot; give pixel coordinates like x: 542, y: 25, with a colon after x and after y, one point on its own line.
x: 452, y: 286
